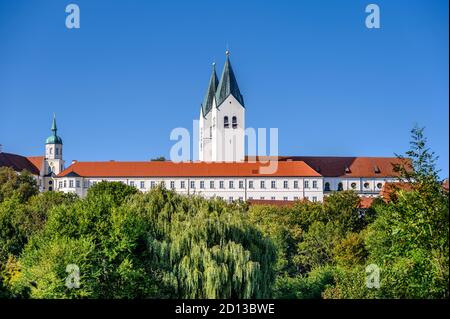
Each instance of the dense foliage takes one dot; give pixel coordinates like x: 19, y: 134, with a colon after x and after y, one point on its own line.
x: 127, y: 244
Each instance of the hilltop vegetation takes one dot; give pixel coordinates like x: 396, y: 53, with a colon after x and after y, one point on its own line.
x: 128, y: 244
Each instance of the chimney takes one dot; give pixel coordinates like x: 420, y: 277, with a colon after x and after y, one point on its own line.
x: 74, y: 162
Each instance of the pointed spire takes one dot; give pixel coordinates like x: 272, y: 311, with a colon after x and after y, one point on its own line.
x: 54, y: 139
x: 210, y: 92
x: 228, y: 84
x: 54, y: 129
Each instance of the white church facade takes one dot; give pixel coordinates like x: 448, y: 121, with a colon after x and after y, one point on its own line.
x: 223, y: 169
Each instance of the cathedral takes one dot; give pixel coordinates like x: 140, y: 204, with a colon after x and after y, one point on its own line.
x: 223, y: 169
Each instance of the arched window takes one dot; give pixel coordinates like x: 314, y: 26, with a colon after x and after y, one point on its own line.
x: 327, y: 187
x: 49, y: 170
x: 234, y: 122
x: 57, y: 151
x: 225, y: 122
x: 340, y: 187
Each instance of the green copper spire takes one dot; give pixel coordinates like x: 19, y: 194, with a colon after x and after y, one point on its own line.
x: 210, y: 92
x: 228, y: 84
x: 54, y: 138
x: 54, y: 129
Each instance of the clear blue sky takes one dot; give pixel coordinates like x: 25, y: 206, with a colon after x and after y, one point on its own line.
x: 137, y: 69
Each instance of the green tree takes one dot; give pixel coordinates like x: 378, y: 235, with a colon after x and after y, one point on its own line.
x: 151, y: 245
x: 22, y: 185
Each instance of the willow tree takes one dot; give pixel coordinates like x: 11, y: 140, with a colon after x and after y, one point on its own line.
x: 206, y: 248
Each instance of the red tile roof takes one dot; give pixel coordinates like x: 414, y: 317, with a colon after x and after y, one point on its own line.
x: 192, y: 169
x: 389, y: 189
x: 36, y: 161
x: 334, y: 166
x: 445, y: 184
x: 366, y: 202
x: 20, y: 163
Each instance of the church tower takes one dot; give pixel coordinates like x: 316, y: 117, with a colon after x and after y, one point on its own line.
x: 205, y: 123
x: 54, y: 163
x: 222, y: 119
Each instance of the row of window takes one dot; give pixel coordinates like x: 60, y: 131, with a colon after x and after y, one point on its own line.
x: 50, y: 150
x: 231, y: 185
x: 352, y: 185
x: 221, y: 184
x: 226, y: 124
x: 201, y: 184
x: 285, y: 198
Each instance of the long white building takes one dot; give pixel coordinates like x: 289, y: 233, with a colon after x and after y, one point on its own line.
x: 223, y: 170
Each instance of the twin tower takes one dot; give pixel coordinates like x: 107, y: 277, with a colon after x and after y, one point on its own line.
x: 222, y: 119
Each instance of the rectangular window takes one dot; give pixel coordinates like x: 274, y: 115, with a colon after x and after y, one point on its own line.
x: 231, y: 184
x: 250, y: 184
x: 172, y: 185
x: 241, y: 184
x: 163, y: 184
x: 71, y: 183
x: 295, y: 197
x: 273, y: 184
x: 306, y: 184
x: 295, y: 184
x: 314, y: 184
x: 221, y: 184
x: 152, y: 184
x: 230, y: 199
x: 241, y: 198
x: 59, y: 184
x: 65, y: 184
x: 132, y: 183
x: 192, y: 184
x: 262, y: 198
x: 250, y: 198
x: 314, y: 199
x: 263, y: 184
x: 183, y: 184
x: 211, y: 184
x: 272, y: 198
x: 77, y: 183
x: 285, y: 184
x: 285, y: 198
x: 142, y: 184
x: 202, y: 184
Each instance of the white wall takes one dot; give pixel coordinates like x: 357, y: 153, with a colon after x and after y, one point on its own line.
x: 228, y: 144
x: 69, y: 184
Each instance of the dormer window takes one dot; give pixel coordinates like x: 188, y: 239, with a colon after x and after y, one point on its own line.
x: 377, y: 170
x: 234, y: 122
x: 347, y: 170
x: 226, y: 124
